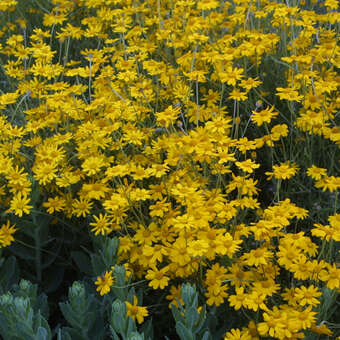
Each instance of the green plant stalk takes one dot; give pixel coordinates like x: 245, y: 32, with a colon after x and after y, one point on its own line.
x: 278, y: 187
x: 37, y: 252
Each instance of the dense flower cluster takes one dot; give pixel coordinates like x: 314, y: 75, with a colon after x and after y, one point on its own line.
x: 164, y: 128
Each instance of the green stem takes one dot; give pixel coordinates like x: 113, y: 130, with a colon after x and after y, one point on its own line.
x: 37, y: 251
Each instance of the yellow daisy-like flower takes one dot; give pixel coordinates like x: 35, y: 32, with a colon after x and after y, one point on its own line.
x: 236, y: 334
x: 257, y: 257
x: 316, y: 173
x: 247, y: 165
x: 158, y: 278
x: 288, y: 94
x: 198, y: 247
x: 92, y: 165
x: 54, y: 204
x: 6, y: 232
x: 283, y: 171
x: 264, y: 116
x: 136, y: 312
x: 307, y: 295
x: 104, y: 283
x: 81, y: 207
x: 101, y: 225
x: 19, y: 205
x: 45, y: 172
x: 175, y: 296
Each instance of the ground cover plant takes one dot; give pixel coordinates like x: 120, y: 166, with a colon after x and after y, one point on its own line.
x: 169, y: 169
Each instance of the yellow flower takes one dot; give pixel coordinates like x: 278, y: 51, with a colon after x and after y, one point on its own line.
x: 54, y: 204
x: 332, y: 278
x: 16, y: 175
x: 288, y: 94
x: 330, y: 183
x: 93, y: 164
x: 257, y: 257
x: 136, y: 312
x: 7, y: 4
x: 256, y: 300
x: 175, y: 296
x: 216, y: 293
x: 283, y: 171
x: 273, y: 323
x: 332, y: 4
x: 239, y: 300
x: 304, y: 318
x: 278, y: 131
x: 9, y: 98
x: 104, y: 283
x: 102, y: 225
x: 316, y: 173
x: 236, y: 334
x: 231, y: 75
x: 326, y: 232
x: 19, y: 204
x: 264, y: 116
x: 250, y: 83
x: 307, y: 295
x: 45, y: 172
x: 238, y: 95
x: 208, y: 4
x: 198, y: 248
x: 95, y: 190
x: 81, y: 207
x: 158, y: 278
x: 247, y: 165
x: 6, y: 232
x: 321, y: 329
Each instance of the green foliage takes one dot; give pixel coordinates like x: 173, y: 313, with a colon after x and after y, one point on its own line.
x: 24, y: 314
x: 190, y: 322
x: 81, y: 312
x: 120, y: 323
x: 9, y: 273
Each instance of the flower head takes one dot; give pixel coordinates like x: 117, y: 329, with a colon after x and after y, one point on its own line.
x: 136, y: 312
x: 104, y: 283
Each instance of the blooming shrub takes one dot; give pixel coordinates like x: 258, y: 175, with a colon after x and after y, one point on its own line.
x: 201, y: 135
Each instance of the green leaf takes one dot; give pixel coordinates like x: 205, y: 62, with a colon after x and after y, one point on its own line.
x: 201, y: 320
x: 82, y: 261
x: 191, y: 316
x: 51, y: 256
x: 9, y: 274
x: 42, y: 334
x: 176, y: 313
x: 110, y: 250
x: 53, y: 278
x: 97, y: 265
x: 135, y: 336
x: 118, y: 323
x: 69, y: 315
x: 41, y: 304
x: 147, y: 329
x: 189, y: 295
x: 98, y: 329
x: 183, y: 332
x: 63, y: 334
x: 22, y: 251
x: 206, y: 336
x: 114, y: 334
x: 44, y: 324
x: 76, y: 335
x: 130, y: 326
